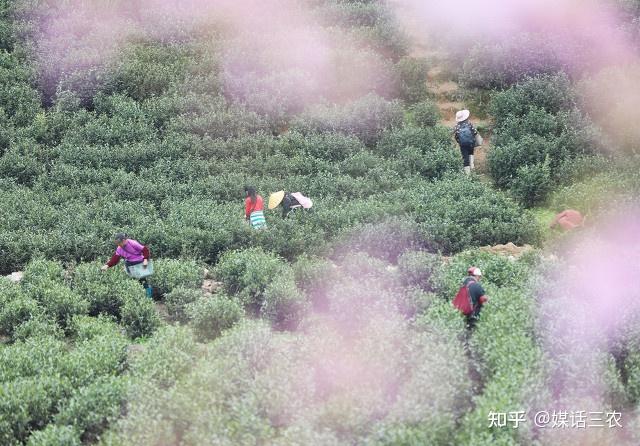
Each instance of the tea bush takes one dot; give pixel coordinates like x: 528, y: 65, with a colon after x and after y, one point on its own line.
x: 419, y: 269
x: 90, y: 409
x: 365, y: 118
x: 425, y: 113
x: 463, y: 213
x: 500, y: 65
x: 284, y: 304
x: 539, y: 133
x: 59, y: 302
x: 38, y: 326
x: 412, y: 73
x: 54, y: 435
x: 139, y: 316
x: 178, y: 300
x: 170, y: 274
x: 210, y: 316
x: 17, y: 308
x: 247, y: 273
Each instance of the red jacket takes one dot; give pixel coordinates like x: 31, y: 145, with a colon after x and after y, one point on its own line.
x: 249, y: 206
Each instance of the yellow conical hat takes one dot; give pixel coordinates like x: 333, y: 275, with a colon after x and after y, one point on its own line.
x: 275, y: 199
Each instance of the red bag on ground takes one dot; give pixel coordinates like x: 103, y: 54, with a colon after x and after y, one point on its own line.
x: 462, y: 301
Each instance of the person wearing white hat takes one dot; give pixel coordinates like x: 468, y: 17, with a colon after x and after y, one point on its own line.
x: 476, y: 293
x: 465, y: 135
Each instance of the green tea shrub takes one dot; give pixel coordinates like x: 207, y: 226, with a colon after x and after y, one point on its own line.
x: 105, y: 291
x: 247, y: 273
x: 499, y: 65
x: 419, y: 269
x: 365, y: 118
x: 462, y: 212
x: 59, y: 301
x: 424, y: 138
x: 425, y: 113
x: 54, y: 435
x: 210, y: 316
x: 178, y: 300
x: 532, y: 183
x: 139, y: 316
x: 102, y: 355
x: 90, y: 409
x: 33, y: 356
x: 83, y: 328
x: 168, y: 274
x: 16, y: 307
x: 38, y: 326
x: 144, y: 70
x: 412, y: 74
x: 212, y: 117
x: 552, y: 93
x: 284, y: 304
x: 167, y: 356
x: 385, y: 240
x: 28, y: 404
x: 309, y: 271
x: 40, y: 271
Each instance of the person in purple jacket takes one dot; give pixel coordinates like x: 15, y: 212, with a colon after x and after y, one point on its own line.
x: 133, y: 253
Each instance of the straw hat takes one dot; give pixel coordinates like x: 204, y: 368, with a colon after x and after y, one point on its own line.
x: 275, y: 199
x: 462, y: 115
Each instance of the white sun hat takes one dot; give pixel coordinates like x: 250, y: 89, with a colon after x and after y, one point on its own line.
x: 462, y: 115
x: 476, y: 272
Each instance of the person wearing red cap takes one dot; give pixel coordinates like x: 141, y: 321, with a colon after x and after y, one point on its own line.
x: 476, y: 292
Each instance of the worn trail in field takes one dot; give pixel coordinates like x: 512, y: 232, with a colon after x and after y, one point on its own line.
x: 441, y: 79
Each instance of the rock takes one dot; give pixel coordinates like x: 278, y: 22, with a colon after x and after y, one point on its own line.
x: 15, y: 277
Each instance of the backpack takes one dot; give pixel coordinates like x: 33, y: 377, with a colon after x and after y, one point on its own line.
x: 465, y: 136
x: 462, y: 301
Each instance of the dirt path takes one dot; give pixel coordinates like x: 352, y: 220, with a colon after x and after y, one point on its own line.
x: 441, y: 79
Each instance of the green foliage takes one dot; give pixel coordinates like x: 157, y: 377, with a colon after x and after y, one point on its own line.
x: 169, y: 274
x: 178, y: 300
x: 54, y: 435
x: 41, y: 271
x: 284, y: 304
x: 28, y: 404
x: 539, y: 133
x: 247, y: 273
x: 502, y: 64
x: 92, y: 408
x: 16, y: 308
x: 105, y: 291
x: 412, y: 73
x: 532, y: 183
x: 464, y: 213
x: 139, y: 316
x: 419, y: 269
x: 38, y: 326
x: 425, y: 113
x: 59, y: 301
x: 365, y: 118
x: 210, y: 316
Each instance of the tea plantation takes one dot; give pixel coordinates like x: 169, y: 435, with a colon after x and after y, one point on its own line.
x: 333, y: 326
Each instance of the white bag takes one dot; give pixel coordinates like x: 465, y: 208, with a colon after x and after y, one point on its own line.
x: 479, y: 140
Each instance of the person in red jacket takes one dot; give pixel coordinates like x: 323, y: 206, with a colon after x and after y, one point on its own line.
x: 254, y: 208
x: 134, y: 253
x: 477, y: 294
